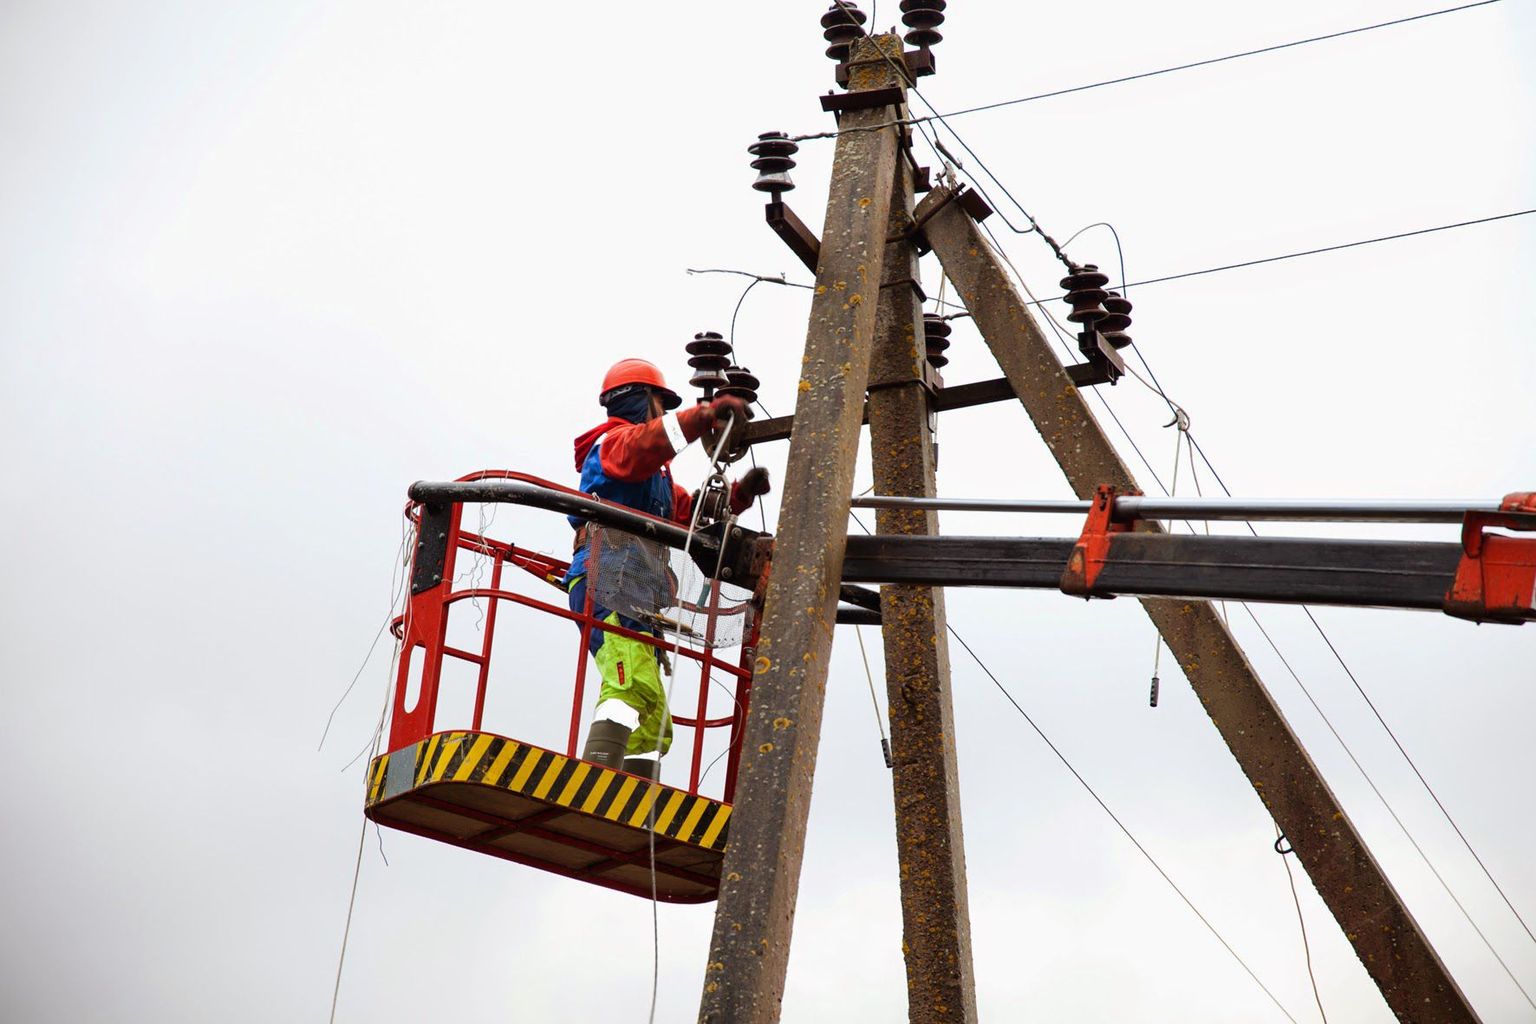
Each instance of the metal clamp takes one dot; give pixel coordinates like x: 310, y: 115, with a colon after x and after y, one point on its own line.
x: 1496, y: 579
x: 1091, y: 551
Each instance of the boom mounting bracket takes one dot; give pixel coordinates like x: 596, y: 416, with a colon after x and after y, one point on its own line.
x: 1496, y: 579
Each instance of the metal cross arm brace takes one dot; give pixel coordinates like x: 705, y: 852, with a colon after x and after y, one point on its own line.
x: 1496, y: 578
x: 1487, y: 578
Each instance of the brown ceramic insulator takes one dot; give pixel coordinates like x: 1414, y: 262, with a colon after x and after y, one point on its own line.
x: 936, y: 339
x: 775, y: 159
x: 708, y: 380
x: 840, y: 26
x: 1085, y: 292
x: 1085, y: 276
x: 741, y: 383
x: 709, y: 354
x: 1114, y: 323
x: 923, y: 17
x: 709, y: 344
x: 1118, y: 317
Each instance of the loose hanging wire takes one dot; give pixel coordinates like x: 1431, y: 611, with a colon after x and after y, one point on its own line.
x: 693, y: 525
x: 885, y: 742
x: 397, y: 591
x: 1301, y: 921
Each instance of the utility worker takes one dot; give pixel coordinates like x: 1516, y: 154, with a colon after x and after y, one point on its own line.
x: 625, y: 459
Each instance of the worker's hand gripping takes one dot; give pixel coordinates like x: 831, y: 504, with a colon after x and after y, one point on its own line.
x: 724, y: 412
x: 731, y: 415
x: 753, y: 483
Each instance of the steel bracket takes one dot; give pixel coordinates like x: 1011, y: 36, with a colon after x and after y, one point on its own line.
x: 1496, y: 579
x: 740, y: 556
x: 1091, y: 552
x: 919, y: 62
x: 863, y: 99
x: 802, y: 241
x: 1104, y: 365
x: 432, y: 544
x: 972, y: 203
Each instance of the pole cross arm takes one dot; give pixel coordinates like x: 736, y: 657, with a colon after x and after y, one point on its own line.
x: 1355, y: 573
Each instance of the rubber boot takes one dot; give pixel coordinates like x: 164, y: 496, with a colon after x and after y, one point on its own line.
x: 645, y: 767
x: 606, y: 741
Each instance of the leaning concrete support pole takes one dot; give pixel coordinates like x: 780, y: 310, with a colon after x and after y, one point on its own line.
x: 1385, y: 936
x: 744, y: 980
x: 935, y: 915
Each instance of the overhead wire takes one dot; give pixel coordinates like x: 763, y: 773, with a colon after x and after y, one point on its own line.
x: 1332, y: 248
x: 1120, y: 824
x: 1067, y: 763
x: 1153, y: 74
x: 1396, y: 236
x: 1194, y: 448
x: 1181, y: 418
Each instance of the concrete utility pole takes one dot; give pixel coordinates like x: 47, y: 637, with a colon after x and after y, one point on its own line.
x: 936, y: 926
x: 760, y: 876
x: 1385, y: 936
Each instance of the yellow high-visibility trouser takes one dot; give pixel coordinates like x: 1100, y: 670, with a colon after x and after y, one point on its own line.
x: 631, y: 674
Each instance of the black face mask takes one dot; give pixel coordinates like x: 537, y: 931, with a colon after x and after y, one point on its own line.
x: 633, y: 406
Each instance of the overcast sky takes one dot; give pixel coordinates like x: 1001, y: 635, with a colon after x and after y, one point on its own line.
x: 263, y: 265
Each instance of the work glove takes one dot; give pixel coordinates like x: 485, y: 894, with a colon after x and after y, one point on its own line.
x: 754, y: 482
x: 705, y: 417
x: 752, y: 485
x: 725, y: 407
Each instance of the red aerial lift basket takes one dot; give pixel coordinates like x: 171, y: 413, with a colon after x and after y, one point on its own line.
x: 540, y: 805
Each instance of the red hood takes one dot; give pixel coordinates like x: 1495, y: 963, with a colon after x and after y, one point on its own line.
x: 584, y: 442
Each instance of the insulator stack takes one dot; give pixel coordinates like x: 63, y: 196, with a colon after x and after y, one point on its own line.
x: 936, y: 339
x: 709, y: 354
x: 775, y: 155
x: 840, y: 26
x: 922, y: 17
x: 1086, y: 294
x: 1113, y: 324
x: 741, y: 382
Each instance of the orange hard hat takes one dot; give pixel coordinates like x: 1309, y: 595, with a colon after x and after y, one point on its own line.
x: 638, y: 371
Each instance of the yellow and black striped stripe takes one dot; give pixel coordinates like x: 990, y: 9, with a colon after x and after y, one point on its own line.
x: 552, y: 778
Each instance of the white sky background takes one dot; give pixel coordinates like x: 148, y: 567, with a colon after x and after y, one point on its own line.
x: 262, y: 266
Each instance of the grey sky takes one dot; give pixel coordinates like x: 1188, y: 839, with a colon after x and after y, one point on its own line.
x: 261, y: 266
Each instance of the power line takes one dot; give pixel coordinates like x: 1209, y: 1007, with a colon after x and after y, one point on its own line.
x: 1151, y: 74
x: 1329, y: 248
x: 1115, y: 818
x: 1213, y: 60
x: 1104, y: 806
x: 1208, y: 270
x: 1195, y: 448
